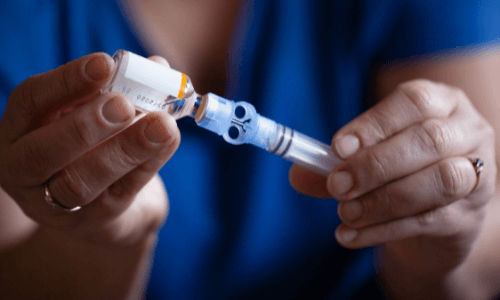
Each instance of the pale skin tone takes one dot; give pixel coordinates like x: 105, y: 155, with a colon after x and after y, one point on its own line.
x: 436, y: 241
x: 94, y: 157
x: 437, y: 231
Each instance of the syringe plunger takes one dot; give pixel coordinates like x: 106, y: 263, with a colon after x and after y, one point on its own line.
x: 238, y: 123
x: 152, y: 86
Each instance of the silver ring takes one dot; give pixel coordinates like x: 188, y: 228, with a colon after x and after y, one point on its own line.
x: 53, y: 203
x: 478, y: 165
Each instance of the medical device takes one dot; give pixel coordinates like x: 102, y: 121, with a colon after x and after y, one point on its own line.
x: 152, y: 86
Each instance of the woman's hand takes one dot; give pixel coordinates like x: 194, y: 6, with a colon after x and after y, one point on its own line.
x: 407, y: 180
x: 58, y: 129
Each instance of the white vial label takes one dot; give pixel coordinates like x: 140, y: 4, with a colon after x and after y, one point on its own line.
x: 143, y: 97
x: 153, y: 75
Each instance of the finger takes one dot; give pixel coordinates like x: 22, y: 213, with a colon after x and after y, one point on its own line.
x: 42, y: 94
x: 445, y: 182
x: 410, y: 103
x: 121, y: 197
x: 139, y: 150
x: 145, y: 215
x: 45, y: 151
x: 307, y: 182
x: 403, y: 154
x: 160, y: 60
x: 445, y: 221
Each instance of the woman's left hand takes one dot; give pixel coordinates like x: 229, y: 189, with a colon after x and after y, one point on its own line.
x: 407, y: 180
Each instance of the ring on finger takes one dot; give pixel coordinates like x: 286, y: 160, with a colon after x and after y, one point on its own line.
x: 53, y: 203
x: 478, y: 165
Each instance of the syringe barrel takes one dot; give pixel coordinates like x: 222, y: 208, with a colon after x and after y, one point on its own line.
x: 221, y: 116
x: 303, y: 150
x: 152, y: 86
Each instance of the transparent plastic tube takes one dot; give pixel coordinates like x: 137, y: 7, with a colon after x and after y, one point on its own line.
x: 303, y: 150
x: 152, y: 86
x: 239, y: 123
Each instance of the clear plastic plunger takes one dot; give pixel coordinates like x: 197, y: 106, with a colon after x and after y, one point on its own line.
x: 152, y: 86
x: 239, y: 123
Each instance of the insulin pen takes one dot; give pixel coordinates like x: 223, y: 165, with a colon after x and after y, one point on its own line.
x: 152, y: 86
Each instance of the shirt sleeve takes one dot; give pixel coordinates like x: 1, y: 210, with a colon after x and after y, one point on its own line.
x: 430, y: 26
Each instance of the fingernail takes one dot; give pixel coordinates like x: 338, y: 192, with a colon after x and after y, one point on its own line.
x: 97, y: 68
x: 347, y: 146
x: 156, y: 133
x: 350, y: 211
x: 115, y: 111
x: 345, y: 235
x: 340, y: 183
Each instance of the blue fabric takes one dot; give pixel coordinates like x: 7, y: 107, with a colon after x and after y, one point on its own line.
x: 236, y: 228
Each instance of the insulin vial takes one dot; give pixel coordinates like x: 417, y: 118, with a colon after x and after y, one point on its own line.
x: 150, y: 85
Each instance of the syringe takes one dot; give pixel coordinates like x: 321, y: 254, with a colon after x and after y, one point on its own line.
x: 152, y: 86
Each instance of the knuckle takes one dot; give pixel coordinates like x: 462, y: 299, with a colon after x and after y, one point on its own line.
x: 112, y: 234
x: 66, y: 81
x: 61, y: 82
x: 160, y: 60
x: 451, y: 220
x: 29, y: 161
x: 434, y: 136
x: 458, y: 93
x: 490, y: 132
x: 427, y: 219
x: 448, y: 222
x: 453, y: 181
x: 126, y: 156
x: 157, y: 222
x: 386, y: 203
x: 157, y: 218
x: 376, y: 166
x: 108, y: 206
x: 150, y: 166
x: 83, y: 133
x: 379, y: 120
x: 27, y: 101
x: 443, y: 221
x: 418, y: 93
x: 120, y: 190
x: 71, y: 188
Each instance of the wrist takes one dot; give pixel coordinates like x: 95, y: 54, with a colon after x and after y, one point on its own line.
x: 401, y: 279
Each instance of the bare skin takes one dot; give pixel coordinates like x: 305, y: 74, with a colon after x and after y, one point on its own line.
x: 460, y: 213
x: 193, y: 35
x: 419, y: 200
x: 58, y: 126
x: 104, y: 250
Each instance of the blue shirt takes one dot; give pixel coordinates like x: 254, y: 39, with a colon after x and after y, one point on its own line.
x: 236, y: 228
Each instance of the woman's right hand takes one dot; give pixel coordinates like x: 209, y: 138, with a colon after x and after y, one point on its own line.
x: 59, y: 129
